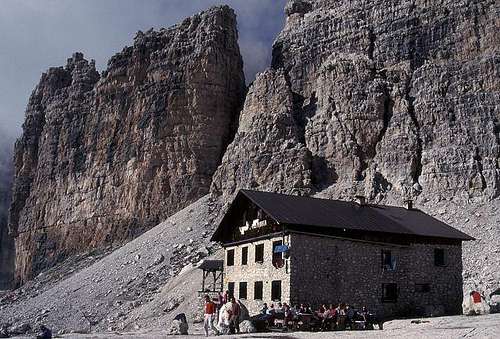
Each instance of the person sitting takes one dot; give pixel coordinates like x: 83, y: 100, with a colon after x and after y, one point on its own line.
x: 328, y: 318
x: 342, y: 317
x: 279, y: 315
x: 350, y: 313
x: 279, y: 309
x: 335, y: 310
x: 367, y: 317
x: 286, y: 307
x: 268, y: 316
x: 364, y: 313
x: 288, y: 314
x: 477, y: 303
x: 316, y: 319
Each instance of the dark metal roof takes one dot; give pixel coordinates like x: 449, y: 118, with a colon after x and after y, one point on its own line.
x: 211, y: 265
x: 307, y: 211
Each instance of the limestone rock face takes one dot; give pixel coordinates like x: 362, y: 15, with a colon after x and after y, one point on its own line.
x: 409, y: 89
x: 389, y: 100
x: 267, y: 135
x: 104, y: 157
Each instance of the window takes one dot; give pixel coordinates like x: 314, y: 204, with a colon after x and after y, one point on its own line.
x: 250, y: 214
x: 422, y: 288
x: 257, y: 290
x: 244, y: 255
x: 388, y: 261
x: 243, y: 290
x: 277, y: 256
x: 259, y: 253
x: 439, y: 257
x: 230, y: 288
x: 389, y: 292
x: 230, y: 258
x: 276, y: 290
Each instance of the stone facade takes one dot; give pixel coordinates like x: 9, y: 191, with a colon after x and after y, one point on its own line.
x: 255, y: 271
x: 351, y: 271
x: 332, y: 270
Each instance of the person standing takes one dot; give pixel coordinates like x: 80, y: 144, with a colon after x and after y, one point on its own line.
x: 235, y: 315
x: 225, y: 297
x: 210, y: 312
x: 218, y: 303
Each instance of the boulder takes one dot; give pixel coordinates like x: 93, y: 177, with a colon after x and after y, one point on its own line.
x: 246, y: 326
x: 19, y: 329
x: 178, y: 328
x: 159, y: 260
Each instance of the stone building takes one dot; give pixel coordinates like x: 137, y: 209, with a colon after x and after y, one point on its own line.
x: 396, y: 261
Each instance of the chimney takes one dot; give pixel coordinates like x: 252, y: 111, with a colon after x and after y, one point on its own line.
x: 409, y: 204
x: 360, y: 199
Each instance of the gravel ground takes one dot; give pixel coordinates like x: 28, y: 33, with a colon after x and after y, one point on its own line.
x: 102, y: 296
x: 487, y: 326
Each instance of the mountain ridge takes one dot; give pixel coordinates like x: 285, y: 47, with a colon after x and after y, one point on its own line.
x: 105, y: 157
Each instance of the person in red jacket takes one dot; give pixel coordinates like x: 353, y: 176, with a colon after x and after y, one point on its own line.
x: 476, y: 297
x: 477, y: 302
x: 210, y: 313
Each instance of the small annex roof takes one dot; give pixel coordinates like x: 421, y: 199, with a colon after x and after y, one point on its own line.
x: 211, y: 265
x: 308, y: 211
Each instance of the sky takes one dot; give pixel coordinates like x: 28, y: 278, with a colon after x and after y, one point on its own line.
x: 38, y: 34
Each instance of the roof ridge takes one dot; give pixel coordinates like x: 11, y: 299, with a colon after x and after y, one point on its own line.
x: 327, y: 199
x: 341, y: 214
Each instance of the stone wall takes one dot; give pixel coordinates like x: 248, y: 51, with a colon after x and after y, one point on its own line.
x: 328, y: 270
x: 253, y: 272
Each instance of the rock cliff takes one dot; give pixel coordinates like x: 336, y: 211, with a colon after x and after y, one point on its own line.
x: 386, y: 98
x: 392, y: 100
x: 105, y: 157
